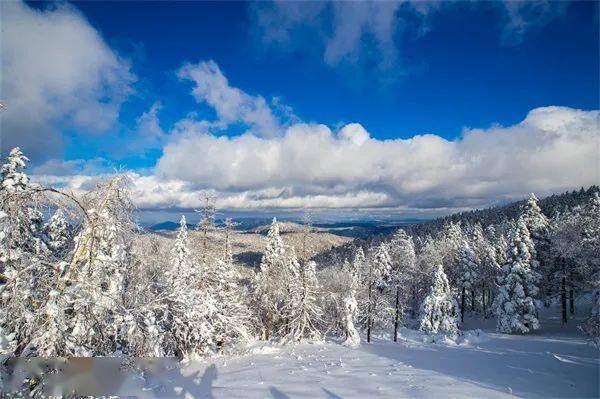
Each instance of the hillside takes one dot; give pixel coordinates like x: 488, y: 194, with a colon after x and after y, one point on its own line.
x: 248, y: 246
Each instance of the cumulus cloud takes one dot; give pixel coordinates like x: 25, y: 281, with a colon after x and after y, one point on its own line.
x: 231, y: 104
x: 552, y: 149
x: 57, y: 72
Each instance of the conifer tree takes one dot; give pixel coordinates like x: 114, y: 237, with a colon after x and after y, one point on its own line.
x: 349, y: 302
x: 268, y: 287
x: 439, y: 312
x: 379, y: 269
x: 57, y: 234
x: 515, y: 302
x: 13, y: 177
x: 305, y: 311
x: 469, y: 272
x: 402, y: 252
x: 190, y: 306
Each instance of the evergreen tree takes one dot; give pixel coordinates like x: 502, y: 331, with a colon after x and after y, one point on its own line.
x: 379, y: 269
x: 190, y: 305
x: 57, y: 234
x: 439, y: 312
x: 402, y: 252
x: 268, y: 287
x: 349, y: 302
x: 469, y: 274
x: 13, y: 177
x: 515, y: 303
x: 305, y: 311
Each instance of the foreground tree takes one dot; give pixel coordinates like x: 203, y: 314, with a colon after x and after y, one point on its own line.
x: 439, y: 313
x: 378, y: 274
x: 516, y: 305
x: 269, y: 280
x: 304, y: 311
x: 402, y: 252
x: 350, y: 304
x: 468, y: 278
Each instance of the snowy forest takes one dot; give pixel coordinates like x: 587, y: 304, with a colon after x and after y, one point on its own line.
x: 79, y: 278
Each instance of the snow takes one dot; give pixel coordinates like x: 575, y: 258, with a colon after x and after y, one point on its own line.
x: 554, y: 362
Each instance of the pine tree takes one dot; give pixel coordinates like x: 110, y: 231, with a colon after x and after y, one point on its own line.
x: 304, y: 311
x: 13, y: 177
x: 268, y: 287
x: 57, y: 234
x: 402, y: 252
x: 190, y: 307
x: 230, y: 319
x: 439, y: 312
x: 515, y: 303
x: 539, y: 228
x: 349, y: 302
x: 469, y: 274
x: 207, y: 221
x: 379, y: 269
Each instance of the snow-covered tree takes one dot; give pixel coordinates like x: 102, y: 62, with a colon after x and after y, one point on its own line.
x: 268, y: 280
x: 58, y: 234
x: 230, y: 319
x: 468, y: 278
x: 516, y: 306
x: 94, y: 288
x: 350, y: 304
x: 206, y: 224
x: 439, y: 312
x: 13, y: 177
x: 379, y: 267
x: 190, y: 307
x: 228, y: 226
x: 402, y: 253
x: 449, y: 245
x: 539, y: 228
x: 304, y: 309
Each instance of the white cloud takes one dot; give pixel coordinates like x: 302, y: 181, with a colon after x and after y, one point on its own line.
x: 552, y: 149
x: 231, y: 104
x: 56, y: 72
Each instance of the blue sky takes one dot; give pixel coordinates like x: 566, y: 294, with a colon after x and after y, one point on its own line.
x: 399, y: 70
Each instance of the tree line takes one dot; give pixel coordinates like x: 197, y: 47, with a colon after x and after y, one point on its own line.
x: 79, y: 278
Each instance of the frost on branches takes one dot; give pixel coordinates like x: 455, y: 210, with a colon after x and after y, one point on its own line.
x: 439, y: 312
x: 350, y: 304
x: 516, y: 306
x: 189, y: 306
x: 304, y: 310
x: 469, y: 273
x: 13, y: 177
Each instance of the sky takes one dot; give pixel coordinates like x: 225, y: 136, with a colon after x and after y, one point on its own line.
x: 395, y: 109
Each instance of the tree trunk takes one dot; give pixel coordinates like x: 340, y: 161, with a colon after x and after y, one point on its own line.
x: 462, y: 306
x: 369, y: 315
x: 571, y: 302
x: 414, y: 301
x: 483, y: 302
x: 473, y: 300
x: 563, y: 299
x: 397, y: 314
x: 267, y: 328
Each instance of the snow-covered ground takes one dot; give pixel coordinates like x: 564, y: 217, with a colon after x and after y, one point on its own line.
x: 557, y: 362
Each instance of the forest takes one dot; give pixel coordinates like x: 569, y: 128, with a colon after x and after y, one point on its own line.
x: 86, y: 281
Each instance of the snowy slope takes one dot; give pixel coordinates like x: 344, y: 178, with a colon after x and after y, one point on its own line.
x: 557, y: 362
